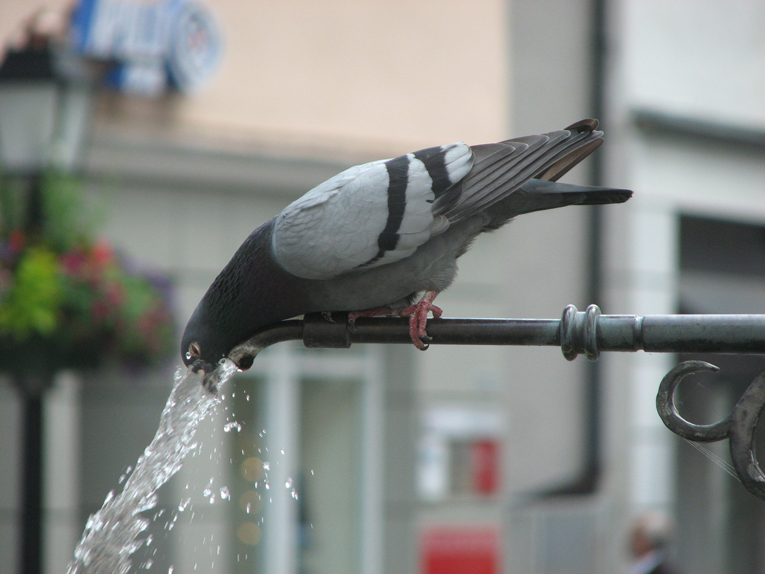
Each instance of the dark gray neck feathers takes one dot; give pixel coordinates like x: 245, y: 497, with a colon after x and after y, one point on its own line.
x: 252, y: 291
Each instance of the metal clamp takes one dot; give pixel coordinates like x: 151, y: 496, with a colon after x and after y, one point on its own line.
x: 579, y: 332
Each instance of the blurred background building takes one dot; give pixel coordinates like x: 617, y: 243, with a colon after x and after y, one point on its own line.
x: 469, y: 459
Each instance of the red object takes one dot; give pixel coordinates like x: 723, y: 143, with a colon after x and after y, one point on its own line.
x: 460, y: 551
x: 485, y: 467
x: 16, y: 241
x: 102, y: 253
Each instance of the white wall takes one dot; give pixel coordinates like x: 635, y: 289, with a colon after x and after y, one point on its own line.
x: 698, y: 59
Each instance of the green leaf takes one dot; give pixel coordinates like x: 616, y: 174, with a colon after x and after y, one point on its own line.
x: 31, y: 305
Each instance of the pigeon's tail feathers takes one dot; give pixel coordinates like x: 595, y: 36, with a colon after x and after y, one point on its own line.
x: 567, y: 161
x: 500, y: 169
x: 539, y: 195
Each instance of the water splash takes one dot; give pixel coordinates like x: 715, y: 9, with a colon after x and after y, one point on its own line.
x: 233, y: 425
x: 111, y: 534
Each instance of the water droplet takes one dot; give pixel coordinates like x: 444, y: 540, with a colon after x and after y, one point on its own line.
x: 149, y: 540
x: 282, y: 451
x: 312, y: 472
x: 183, y: 504
x: 266, y: 465
x: 207, y: 491
x: 294, y: 494
x: 170, y: 570
x: 224, y: 493
x: 267, y: 485
x: 288, y: 483
x: 188, y: 358
x: 233, y: 425
x: 212, y: 499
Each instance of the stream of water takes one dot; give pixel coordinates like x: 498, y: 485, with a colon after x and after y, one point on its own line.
x: 111, y: 535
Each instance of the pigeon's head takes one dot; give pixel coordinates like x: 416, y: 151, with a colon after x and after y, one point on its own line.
x: 202, y: 346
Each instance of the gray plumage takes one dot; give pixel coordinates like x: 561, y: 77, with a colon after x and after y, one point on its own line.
x: 378, y: 234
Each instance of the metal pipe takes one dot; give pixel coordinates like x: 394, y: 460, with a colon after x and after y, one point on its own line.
x: 588, y: 333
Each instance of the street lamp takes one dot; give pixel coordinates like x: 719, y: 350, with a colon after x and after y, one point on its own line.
x: 45, y: 100
x: 45, y: 97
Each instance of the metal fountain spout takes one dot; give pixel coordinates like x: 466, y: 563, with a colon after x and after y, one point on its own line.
x: 590, y: 333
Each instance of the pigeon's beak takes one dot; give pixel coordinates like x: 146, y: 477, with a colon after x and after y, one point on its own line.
x: 211, y: 374
x: 200, y: 365
x: 206, y: 370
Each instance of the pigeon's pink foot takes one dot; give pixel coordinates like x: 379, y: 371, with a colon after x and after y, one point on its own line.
x: 418, y: 318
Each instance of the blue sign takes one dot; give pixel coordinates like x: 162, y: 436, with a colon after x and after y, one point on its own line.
x: 170, y: 43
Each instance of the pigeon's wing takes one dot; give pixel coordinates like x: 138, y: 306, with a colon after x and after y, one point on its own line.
x: 381, y: 212
x: 501, y: 168
x: 368, y: 215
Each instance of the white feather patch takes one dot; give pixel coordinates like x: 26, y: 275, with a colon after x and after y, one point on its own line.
x: 335, y: 226
x: 458, y: 160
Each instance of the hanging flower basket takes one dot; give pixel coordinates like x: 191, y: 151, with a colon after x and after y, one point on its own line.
x: 66, y: 299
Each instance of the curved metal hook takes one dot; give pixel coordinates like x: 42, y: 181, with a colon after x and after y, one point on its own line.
x: 744, y: 419
x: 665, y: 405
x: 739, y: 427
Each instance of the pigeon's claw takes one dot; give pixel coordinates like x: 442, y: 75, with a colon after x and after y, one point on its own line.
x: 374, y: 312
x: 418, y: 319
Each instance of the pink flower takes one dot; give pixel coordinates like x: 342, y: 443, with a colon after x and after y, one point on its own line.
x: 16, y: 241
x: 102, y: 254
x: 73, y: 262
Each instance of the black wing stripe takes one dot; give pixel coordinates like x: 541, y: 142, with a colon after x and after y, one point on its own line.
x: 398, y: 179
x: 434, y: 160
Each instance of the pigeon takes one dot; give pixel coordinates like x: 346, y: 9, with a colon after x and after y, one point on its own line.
x: 371, y: 239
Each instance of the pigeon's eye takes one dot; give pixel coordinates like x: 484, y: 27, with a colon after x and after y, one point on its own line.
x: 194, y: 351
